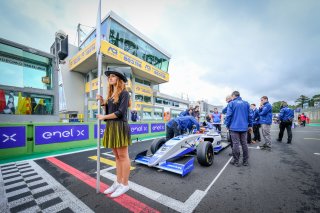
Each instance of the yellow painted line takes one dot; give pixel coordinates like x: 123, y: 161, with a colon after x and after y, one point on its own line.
x: 318, y: 139
x: 107, y: 161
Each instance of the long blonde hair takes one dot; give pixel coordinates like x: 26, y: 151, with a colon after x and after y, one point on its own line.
x: 116, y: 90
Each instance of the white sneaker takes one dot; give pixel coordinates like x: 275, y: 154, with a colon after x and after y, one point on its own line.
x: 112, y: 188
x: 120, y: 190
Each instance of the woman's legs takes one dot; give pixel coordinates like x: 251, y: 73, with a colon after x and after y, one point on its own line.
x: 124, y: 163
x: 118, y: 165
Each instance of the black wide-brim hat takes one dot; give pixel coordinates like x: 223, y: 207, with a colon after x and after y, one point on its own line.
x: 118, y: 71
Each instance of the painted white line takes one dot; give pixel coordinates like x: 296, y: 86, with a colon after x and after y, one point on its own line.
x: 316, y: 153
x: 4, y: 207
x: 216, y: 178
x: 11, y: 170
x: 20, y: 201
x: 107, y: 169
x: 15, y: 185
x: 11, y: 174
x: 71, y: 200
x: 17, y: 192
x: 56, y: 208
x: 188, y: 206
x: 31, y: 209
x: 317, y: 139
x: 250, y: 147
x: 110, y: 155
x: 12, y: 179
x: 158, y: 197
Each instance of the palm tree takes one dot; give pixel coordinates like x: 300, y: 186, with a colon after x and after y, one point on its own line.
x: 302, y: 100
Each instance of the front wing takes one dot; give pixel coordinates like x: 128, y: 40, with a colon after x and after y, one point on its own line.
x: 178, y: 168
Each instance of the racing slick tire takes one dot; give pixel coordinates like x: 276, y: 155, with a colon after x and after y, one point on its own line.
x: 205, y: 153
x: 156, y: 144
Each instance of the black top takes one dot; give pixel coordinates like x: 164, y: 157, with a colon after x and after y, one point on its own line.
x: 120, y: 109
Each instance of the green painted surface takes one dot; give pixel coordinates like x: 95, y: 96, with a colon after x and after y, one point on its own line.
x: 314, y: 124
x: 35, y: 151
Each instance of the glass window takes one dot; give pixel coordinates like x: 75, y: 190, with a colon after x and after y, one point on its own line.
x: 165, y: 102
x: 141, y: 49
x: 159, y: 100
x: 126, y: 40
x: 20, y: 103
x: 92, y: 36
x: 20, y: 73
x: 139, y: 98
x: 148, y: 83
x: 140, y: 81
x: 147, y: 99
x: 130, y: 41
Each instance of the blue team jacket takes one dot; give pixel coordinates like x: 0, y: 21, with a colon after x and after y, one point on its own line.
x: 286, y: 114
x: 238, y: 117
x: 216, y: 117
x: 184, y: 122
x: 265, y: 113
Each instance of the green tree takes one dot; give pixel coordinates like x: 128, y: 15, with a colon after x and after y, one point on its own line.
x: 302, y: 100
x: 315, y: 98
x: 276, y: 107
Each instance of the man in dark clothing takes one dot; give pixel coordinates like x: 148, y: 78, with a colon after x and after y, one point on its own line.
x: 286, y: 117
x: 179, y: 125
x: 256, y: 125
x: 238, y: 120
x: 224, y: 111
x: 196, y: 113
x: 134, y: 115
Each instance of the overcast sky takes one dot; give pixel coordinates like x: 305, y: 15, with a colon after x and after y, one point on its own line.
x: 256, y: 47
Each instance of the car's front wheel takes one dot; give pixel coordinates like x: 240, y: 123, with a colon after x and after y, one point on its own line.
x: 205, y: 153
x: 156, y: 144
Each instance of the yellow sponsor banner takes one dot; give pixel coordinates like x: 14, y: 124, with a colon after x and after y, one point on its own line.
x: 82, y: 55
x: 138, y: 106
x: 87, y: 87
x: 143, y: 90
x: 127, y: 58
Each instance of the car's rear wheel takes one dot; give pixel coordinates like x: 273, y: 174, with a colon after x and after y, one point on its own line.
x: 156, y: 144
x: 205, y: 153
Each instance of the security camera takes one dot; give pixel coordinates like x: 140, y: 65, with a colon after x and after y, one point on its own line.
x: 61, y: 34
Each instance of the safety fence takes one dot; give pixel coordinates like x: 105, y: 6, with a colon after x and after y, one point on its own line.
x: 19, y: 139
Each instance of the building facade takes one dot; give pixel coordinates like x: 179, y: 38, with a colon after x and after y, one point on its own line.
x: 28, y: 84
x: 122, y: 46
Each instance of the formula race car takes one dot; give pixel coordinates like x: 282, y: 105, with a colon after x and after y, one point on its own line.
x: 165, y: 153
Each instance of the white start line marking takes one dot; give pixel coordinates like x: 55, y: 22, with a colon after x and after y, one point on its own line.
x: 188, y: 206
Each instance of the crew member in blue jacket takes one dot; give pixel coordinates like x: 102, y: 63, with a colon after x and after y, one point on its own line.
x: 265, y: 113
x: 186, y: 112
x: 286, y: 117
x: 179, y: 125
x: 216, y: 118
x: 238, y: 120
x: 256, y: 124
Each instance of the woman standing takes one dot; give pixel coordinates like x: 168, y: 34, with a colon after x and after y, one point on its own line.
x: 117, y: 133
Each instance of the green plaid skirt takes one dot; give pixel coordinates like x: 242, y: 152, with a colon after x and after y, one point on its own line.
x: 116, y: 134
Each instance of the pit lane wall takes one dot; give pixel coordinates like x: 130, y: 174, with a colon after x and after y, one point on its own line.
x: 23, y: 139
